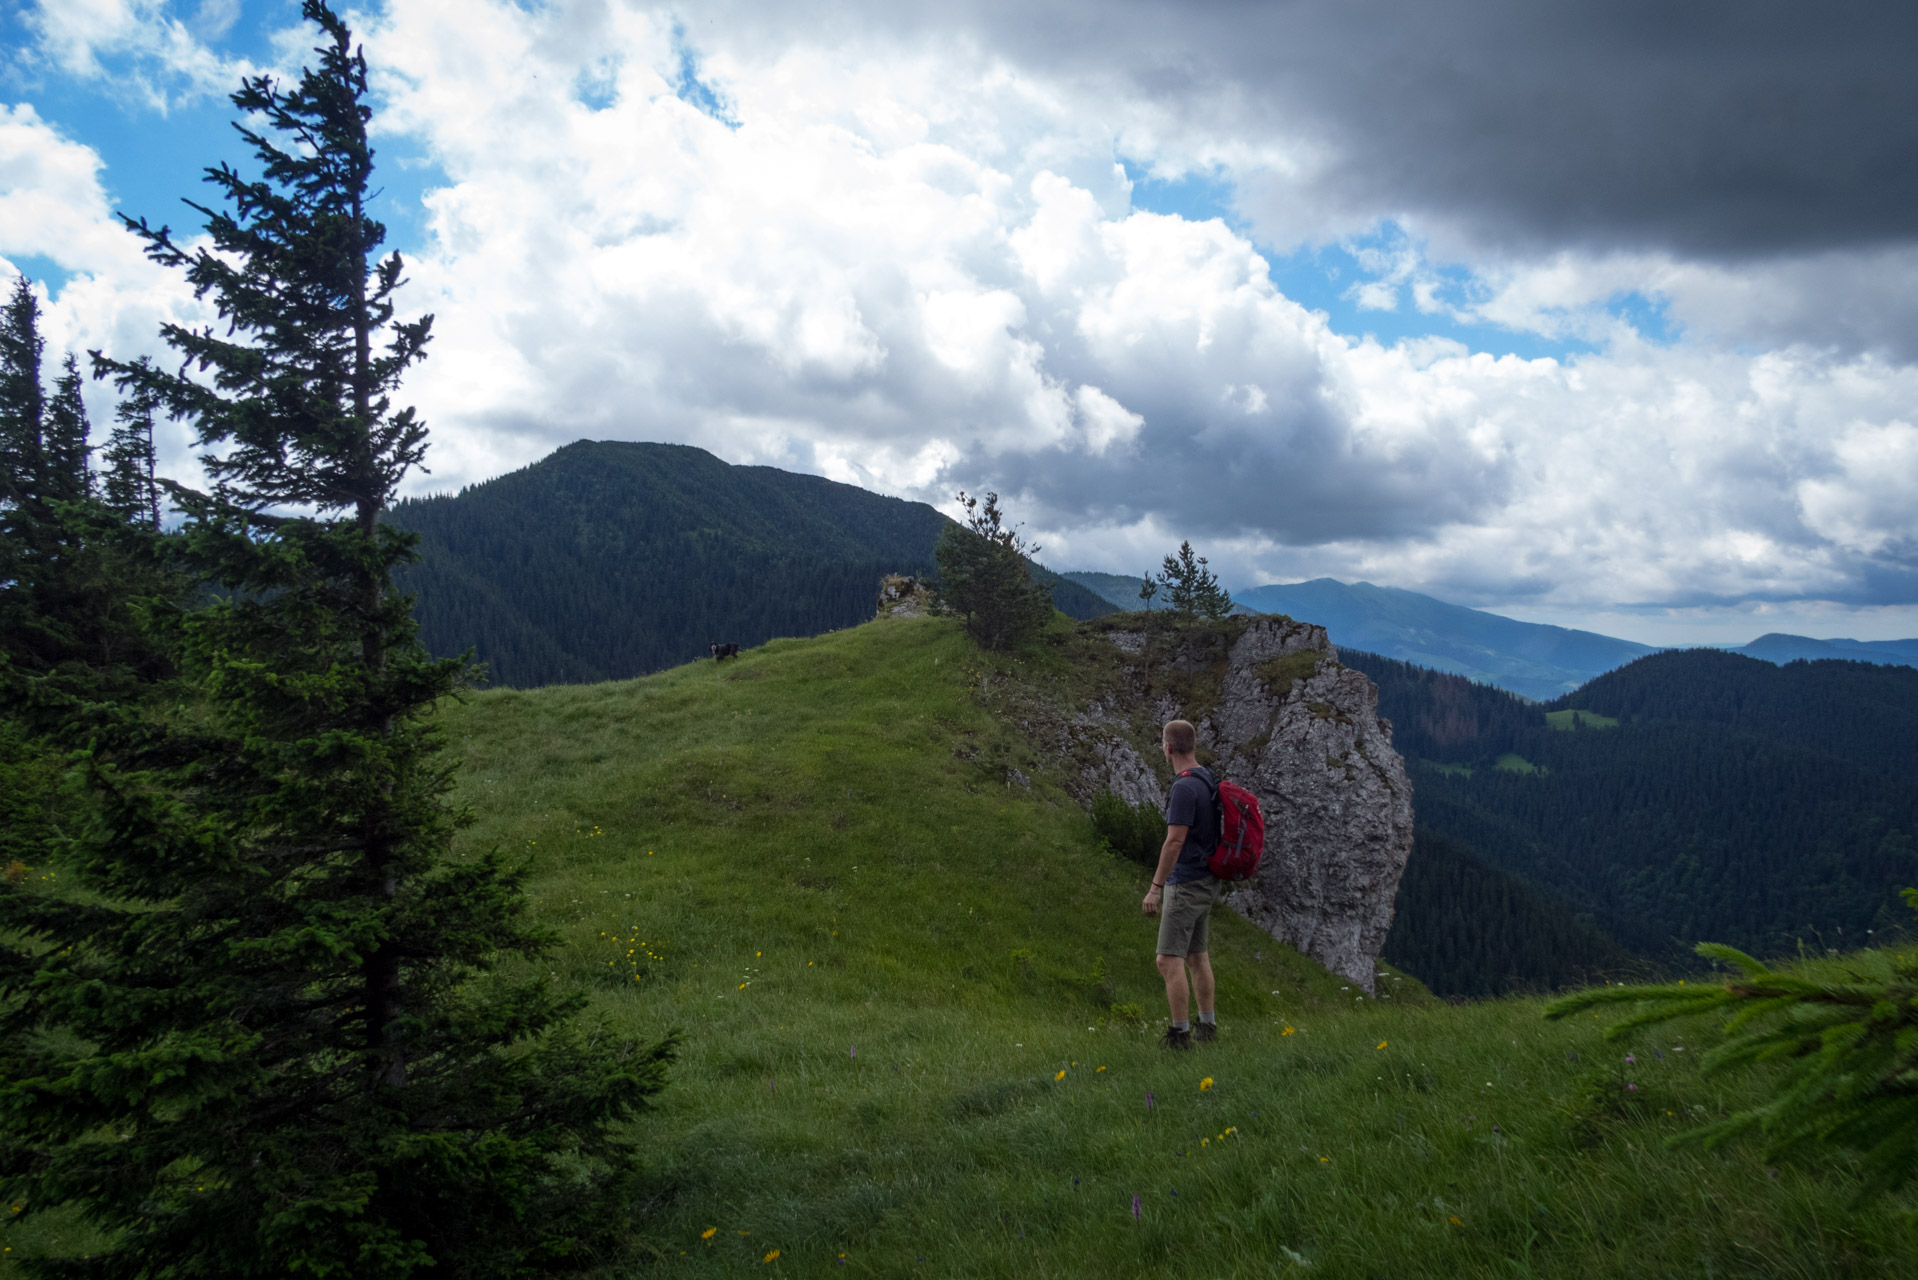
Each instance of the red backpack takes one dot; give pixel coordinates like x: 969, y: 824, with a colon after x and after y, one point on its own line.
x: 1241, y: 831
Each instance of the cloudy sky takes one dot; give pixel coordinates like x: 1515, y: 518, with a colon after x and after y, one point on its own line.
x: 1603, y: 314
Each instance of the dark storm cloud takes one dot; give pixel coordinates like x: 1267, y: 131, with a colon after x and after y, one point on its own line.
x: 1726, y: 129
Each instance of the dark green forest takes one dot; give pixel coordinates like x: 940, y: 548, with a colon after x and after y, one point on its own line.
x: 1690, y: 796
x: 1464, y: 927
x: 607, y: 560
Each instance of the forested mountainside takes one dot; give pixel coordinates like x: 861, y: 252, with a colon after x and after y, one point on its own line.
x: 1464, y: 927
x: 609, y: 559
x: 1116, y: 588
x: 1692, y: 795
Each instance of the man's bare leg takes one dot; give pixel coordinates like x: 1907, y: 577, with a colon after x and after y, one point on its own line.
x: 1177, y: 995
x: 1202, y: 985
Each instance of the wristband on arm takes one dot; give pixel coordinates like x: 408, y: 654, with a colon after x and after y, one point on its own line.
x: 1157, y: 885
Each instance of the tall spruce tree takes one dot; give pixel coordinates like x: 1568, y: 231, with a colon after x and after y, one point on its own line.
x: 985, y: 576
x: 69, y: 472
x: 22, y: 399
x: 281, y: 999
x: 129, y: 486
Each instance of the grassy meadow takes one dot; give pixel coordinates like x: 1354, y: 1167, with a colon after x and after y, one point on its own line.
x: 920, y: 1019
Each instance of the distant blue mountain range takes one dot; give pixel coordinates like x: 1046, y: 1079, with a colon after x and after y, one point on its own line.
x: 1528, y: 658
x: 1781, y: 649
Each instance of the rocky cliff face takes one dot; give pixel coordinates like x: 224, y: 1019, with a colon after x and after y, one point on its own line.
x: 1281, y: 717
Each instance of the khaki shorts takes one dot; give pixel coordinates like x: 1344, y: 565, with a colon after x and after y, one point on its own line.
x: 1185, y: 916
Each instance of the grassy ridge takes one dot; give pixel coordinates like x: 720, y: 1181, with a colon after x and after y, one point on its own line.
x: 924, y: 947
x: 896, y: 972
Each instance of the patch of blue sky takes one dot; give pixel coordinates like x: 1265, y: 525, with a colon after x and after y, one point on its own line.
x: 1196, y: 197
x: 1327, y: 278
x: 154, y: 159
x: 597, y: 87
x: 40, y: 269
x: 689, y: 88
x: 1650, y: 314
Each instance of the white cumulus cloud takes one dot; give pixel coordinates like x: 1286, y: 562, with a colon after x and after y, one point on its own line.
x: 902, y: 260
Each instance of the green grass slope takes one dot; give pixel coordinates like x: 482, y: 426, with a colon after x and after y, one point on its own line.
x: 883, y: 956
x: 901, y: 978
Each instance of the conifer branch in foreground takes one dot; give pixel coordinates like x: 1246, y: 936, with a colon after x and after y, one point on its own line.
x: 1849, y: 1048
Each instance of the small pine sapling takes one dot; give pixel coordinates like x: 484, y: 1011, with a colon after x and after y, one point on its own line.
x: 1191, y: 589
x: 985, y: 576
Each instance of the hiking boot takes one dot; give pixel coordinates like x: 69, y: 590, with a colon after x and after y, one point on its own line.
x: 1177, y: 1039
x: 1205, y: 1032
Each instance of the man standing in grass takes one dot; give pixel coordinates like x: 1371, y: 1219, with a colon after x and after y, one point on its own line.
x: 1183, y: 892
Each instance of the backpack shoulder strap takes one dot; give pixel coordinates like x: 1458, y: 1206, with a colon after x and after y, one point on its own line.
x: 1212, y: 794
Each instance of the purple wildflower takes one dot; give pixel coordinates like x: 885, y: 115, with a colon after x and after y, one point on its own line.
x: 1135, y: 1204
x: 853, y: 1052
x: 1148, y: 1102
x: 1630, y: 1058
x: 1632, y: 1087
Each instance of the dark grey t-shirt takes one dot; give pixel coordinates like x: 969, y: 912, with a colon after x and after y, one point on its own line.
x: 1190, y: 806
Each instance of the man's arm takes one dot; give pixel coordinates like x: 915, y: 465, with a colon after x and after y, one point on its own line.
x: 1168, y: 859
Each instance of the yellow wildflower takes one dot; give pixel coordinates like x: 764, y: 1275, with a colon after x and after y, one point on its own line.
x: 1205, y: 1084
x: 1097, y: 1072
x: 1288, y: 1031
x: 1060, y: 1076
x: 774, y: 1253
x: 1379, y: 1045
x: 1457, y: 1223
x: 708, y: 1233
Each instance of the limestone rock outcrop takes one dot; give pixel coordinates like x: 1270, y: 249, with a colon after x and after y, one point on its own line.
x: 1283, y: 718
x: 902, y: 596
